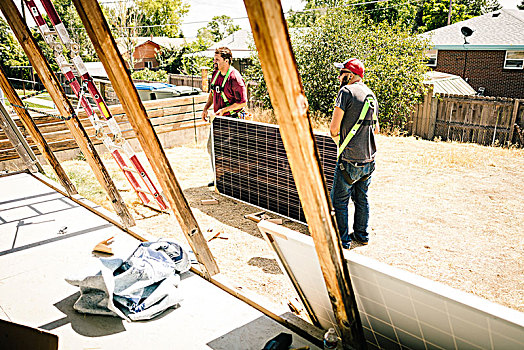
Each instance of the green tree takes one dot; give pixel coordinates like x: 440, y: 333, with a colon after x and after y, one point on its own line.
x: 521, y: 6
x: 11, y: 53
x: 165, y: 15
x: 191, y: 64
x: 150, y: 75
x: 221, y: 26
x: 434, y: 13
x: 393, y: 57
x: 69, y: 16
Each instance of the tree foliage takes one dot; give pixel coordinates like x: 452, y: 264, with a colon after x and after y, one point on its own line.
x: 180, y: 60
x: 165, y: 15
x: 434, y: 13
x: 419, y: 16
x: 150, y: 75
x: 73, y: 23
x: 219, y: 27
x: 11, y: 53
x: 394, y: 61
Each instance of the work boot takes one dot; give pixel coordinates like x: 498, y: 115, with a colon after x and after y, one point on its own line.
x: 354, y: 238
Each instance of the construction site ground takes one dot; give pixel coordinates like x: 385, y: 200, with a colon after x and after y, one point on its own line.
x: 450, y: 212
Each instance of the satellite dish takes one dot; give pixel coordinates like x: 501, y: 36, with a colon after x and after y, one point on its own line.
x: 466, y: 31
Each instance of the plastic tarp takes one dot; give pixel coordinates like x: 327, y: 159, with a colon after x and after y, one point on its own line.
x: 138, y: 288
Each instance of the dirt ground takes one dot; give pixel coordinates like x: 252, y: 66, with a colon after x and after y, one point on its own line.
x: 450, y: 212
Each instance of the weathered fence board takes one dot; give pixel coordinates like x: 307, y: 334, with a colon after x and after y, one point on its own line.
x: 166, y: 115
x: 482, y: 120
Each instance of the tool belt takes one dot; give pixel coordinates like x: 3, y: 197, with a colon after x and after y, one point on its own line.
x: 346, y: 175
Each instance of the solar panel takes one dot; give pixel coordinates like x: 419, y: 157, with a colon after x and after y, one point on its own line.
x: 398, y: 309
x: 251, y: 165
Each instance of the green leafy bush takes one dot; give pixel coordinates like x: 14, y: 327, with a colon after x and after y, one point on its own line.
x: 150, y: 75
x: 393, y: 57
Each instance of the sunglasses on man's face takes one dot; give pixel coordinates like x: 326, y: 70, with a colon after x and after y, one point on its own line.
x: 344, y: 72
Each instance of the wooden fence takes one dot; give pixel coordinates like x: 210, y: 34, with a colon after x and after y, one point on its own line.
x: 476, y: 119
x: 185, y: 80
x: 166, y: 115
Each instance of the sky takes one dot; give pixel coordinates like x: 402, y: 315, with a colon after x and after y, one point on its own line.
x: 202, y: 11
x: 205, y: 10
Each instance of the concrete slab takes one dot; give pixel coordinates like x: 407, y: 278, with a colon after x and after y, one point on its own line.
x: 35, y: 258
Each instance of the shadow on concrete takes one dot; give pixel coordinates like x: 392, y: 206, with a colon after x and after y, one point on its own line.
x: 83, y: 324
x: 259, y: 332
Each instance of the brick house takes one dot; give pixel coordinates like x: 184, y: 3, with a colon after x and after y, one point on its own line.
x: 491, y: 59
x: 145, y: 49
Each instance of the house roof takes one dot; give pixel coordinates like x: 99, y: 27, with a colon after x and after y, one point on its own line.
x: 444, y: 83
x: 238, y: 43
x: 159, y: 40
x: 498, y: 30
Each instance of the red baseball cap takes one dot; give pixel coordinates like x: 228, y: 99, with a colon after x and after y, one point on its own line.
x: 354, y: 65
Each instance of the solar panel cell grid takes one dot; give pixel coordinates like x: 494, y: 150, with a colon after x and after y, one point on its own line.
x: 401, y: 310
x: 252, y: 166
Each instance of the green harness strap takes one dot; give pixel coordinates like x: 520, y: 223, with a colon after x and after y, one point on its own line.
x: 354, y: 129
x: 223, y: 84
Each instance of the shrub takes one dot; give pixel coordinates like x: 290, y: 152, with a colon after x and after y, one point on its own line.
x: 150, y: 75
x: 394, y: 61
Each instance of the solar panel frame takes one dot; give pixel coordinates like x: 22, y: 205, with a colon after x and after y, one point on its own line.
x: 251, y: 165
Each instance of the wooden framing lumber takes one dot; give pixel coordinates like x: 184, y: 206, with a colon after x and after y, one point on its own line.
x: 513, y: 120
x: 287, y: 96
x: 35, y: 134
x: 105, y: 46
x: 56, y: 92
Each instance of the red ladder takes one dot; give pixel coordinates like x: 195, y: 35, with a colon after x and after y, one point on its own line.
x: 114, y: 144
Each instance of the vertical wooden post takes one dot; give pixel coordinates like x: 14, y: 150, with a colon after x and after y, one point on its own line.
x: 205, y: 83
x: 52, y: 85
x: 35, y: 134
x: 432, y: 114
x: 105, y: 46
x: 513, y: 119
x: 291, y: 108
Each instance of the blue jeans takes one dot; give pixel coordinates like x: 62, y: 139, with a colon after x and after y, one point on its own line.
x: 358, y: 192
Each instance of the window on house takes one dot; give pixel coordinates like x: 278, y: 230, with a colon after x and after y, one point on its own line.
x: 514, y: 60
x: 431, y: 58
x: 148, y: 64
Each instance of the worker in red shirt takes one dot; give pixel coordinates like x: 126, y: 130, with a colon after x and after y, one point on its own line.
x: 228, y: 92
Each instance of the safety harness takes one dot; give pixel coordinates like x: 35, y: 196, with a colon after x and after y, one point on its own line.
x: 370, y: 102
x: 219, y: 89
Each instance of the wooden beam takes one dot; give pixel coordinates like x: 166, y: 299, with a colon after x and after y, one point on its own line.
x: 105, y: 46
x: 513, y: 119
x: 52, y: 85
x: 35, y: 134
x: 291, y: 108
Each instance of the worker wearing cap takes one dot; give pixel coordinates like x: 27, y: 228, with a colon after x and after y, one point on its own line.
x: 353, y: 126
x: 228, y: 92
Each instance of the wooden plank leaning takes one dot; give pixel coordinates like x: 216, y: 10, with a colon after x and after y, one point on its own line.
x: 513, y: 120
x: 56, y: 92
x: 291, y: 108
x: 105, y: 46
x: 35, y: 134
